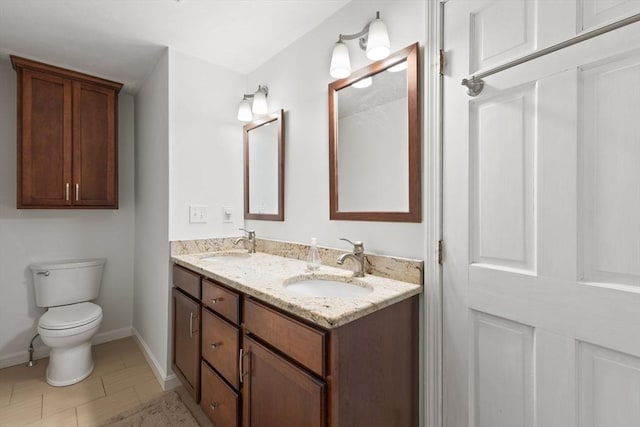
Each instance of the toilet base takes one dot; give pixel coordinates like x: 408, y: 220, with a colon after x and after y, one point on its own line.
x: 69, y: 366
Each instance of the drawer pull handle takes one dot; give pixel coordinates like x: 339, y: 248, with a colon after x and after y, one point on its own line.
x: 216, y: 300
x: 214, y: 406
x: 215, y: 345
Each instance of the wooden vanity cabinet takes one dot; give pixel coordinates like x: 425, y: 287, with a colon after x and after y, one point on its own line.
x: 67, y: 138
x: 263, y: 367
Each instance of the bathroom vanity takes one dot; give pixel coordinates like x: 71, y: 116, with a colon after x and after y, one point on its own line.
x: 256, y: 354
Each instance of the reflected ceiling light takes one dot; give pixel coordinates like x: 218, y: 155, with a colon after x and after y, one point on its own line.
x: 360, y: 84
x: 254, y: 103
x: 373, y: 39
x: 398, y: 67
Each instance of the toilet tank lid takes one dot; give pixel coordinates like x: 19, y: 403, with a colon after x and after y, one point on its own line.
x: 70, y: 316
x: 66, y: 264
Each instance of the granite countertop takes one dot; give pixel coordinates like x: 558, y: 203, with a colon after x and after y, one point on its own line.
x: 262, y: 275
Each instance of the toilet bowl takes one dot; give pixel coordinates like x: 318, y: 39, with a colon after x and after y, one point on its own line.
x: 68, y: 331
x: 71, y: 321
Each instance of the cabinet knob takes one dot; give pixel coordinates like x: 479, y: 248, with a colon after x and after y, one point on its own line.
x: 215, y: 300
x: 214, y: 405
x: 215, y: 345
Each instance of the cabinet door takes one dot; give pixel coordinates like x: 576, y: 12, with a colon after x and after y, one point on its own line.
x: 276, y: 393
x: 186, y: 342
x: 95, y: 177
x: 44, y: 140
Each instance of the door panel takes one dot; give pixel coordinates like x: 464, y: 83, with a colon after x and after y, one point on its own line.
x: 541, y: 204
x: 186, y: 341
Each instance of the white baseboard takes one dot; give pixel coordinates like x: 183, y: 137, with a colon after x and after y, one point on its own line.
x: 167, y: 382
x: 41, y: 351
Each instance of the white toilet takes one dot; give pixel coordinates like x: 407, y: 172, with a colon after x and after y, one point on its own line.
x: 65, y: 288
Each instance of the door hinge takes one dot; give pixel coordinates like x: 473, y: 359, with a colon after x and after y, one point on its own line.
x: 442, y: 61
x: 440, y: 251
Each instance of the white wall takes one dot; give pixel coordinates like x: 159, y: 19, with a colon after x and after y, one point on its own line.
x: 205, y: 147
x: 151, y: 277
x: 297, y: 78
x: 39, y: 235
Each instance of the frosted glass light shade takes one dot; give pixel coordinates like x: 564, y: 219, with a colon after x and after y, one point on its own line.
x: 378, y: 45
x: 340, y: 62
x: 260, y: 103
x: 244, y: 111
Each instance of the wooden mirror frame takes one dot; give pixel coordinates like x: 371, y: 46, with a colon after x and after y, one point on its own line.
x: 279, y: 117
x: 414, y: 214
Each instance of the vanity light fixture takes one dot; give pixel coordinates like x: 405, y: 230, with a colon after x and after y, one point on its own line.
x: 254, y: 103
x: 373, y: 39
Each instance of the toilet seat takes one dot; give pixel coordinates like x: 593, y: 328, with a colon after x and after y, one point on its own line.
x: 70, y: 316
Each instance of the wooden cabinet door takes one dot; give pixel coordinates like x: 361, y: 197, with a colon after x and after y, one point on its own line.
x: 276, y: 393
x: 44, y: 140
x: 94, y: 146
x: 186, y: 342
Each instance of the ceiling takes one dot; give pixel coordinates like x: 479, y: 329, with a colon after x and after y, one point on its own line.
x: 122, y: 40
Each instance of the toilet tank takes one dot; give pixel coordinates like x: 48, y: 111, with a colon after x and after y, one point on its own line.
x: 66, y: 282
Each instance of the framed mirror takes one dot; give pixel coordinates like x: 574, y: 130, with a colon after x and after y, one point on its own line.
x: 375, y: 141
x: 264, y: 168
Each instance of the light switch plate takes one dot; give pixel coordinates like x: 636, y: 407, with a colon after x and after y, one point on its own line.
x: 227, y: 214
x: 198, y: 214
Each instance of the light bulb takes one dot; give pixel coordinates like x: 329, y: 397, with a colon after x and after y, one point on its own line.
x: 340, y: 62
x: 378, y: 45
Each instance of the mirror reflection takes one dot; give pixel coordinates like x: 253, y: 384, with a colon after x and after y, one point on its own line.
x: 374, y: 142
x: 373, y: 135
x: 264, y: 166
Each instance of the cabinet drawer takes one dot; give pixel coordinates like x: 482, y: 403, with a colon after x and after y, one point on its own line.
x: 220, y: 343
x: 221, y: 300
x: 302, y: 343
x: 219, y: 401
x: 186, y: 280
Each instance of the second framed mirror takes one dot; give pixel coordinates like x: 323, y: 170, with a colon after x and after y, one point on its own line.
x: 264, y: 168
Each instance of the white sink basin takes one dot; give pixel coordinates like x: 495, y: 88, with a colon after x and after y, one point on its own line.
x: 317, y: 287
x: 226, y: 257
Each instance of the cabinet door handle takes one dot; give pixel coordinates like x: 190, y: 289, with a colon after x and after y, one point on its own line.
x: 240, y: 366
x: 214, y: 405
x: 66, y: 191
x: 77, y: 191
x: 191, y: 325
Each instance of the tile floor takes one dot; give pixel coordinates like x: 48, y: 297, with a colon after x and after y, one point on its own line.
x: 121, y: 380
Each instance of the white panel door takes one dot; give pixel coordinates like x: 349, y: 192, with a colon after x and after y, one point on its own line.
x: 541, y: 200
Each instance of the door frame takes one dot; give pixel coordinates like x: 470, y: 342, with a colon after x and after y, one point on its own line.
x: 431, y: 312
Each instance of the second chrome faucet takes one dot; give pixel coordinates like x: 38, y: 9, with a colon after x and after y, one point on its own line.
x: 357, y: 256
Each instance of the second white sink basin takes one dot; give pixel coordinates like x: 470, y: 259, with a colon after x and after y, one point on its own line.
x: 315, y: 287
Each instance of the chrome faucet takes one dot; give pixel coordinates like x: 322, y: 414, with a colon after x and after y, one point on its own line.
x: 358, y: 257
x: 249, y: 239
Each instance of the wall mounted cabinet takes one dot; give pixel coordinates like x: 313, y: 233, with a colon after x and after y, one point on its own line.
x: 67, y: 138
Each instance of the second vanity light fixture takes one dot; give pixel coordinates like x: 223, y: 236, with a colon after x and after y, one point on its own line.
x: 373, y: 39
x: 254, y: 103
